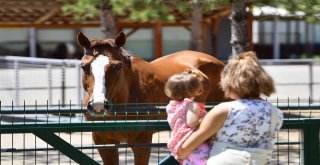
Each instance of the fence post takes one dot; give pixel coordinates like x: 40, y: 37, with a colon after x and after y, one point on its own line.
x: 17, y: 82
x: 311, y: 81
x: 78, y: 84
x: 49, y: 83
x: 311, y: 142
x: 63, y: 84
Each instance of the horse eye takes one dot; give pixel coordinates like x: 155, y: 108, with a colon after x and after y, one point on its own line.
x: 85, y: 68
x: 89, y: 52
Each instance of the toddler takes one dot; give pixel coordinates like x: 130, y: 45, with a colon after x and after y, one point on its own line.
x: 185, y: 114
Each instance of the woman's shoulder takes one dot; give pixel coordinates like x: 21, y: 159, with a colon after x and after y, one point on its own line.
x: 278, y: 112
x: 228, y: 104
x: 221, y: 108
x: 248, y: 102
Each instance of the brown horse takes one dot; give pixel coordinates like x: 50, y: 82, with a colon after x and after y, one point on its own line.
x: 111, y: 76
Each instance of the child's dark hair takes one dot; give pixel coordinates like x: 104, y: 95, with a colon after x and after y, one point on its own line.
x: 184, y: 85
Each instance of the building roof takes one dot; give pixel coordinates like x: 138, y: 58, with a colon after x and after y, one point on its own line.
x: 37, y: 13
x: 47, y: 13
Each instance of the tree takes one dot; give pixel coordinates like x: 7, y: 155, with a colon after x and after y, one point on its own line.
x: 196, y: 30
x: 239, y: 33
x: 142, y: 11
x: 148, y: 10
x: 136, y: 10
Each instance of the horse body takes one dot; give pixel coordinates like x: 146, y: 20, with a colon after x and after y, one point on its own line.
x: 180, y: 61
x: 128, y: 79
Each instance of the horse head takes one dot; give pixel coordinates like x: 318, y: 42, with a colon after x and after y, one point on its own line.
x: 104, y: 63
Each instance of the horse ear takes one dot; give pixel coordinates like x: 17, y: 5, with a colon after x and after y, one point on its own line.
x: 83, y: 41
x: 120, y: 39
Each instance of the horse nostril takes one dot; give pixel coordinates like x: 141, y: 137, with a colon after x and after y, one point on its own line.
x: 90, y: 107
x: 106, y: 104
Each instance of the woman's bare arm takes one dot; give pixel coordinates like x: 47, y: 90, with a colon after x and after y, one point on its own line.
x: 208, y: 127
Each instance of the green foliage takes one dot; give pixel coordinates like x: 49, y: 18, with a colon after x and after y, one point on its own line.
x: 136, y: 10
x: 139, y: 10
x: 148, y: 10
x: 304, y: 56
x: 309, y: 7
x: 81, y: 9
x: 210, y: 5
x: 142, y: 10
x: 317, y: 56
x: 185, y: 6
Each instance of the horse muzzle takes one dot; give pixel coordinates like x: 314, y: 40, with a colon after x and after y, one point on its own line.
x: 99, y: 108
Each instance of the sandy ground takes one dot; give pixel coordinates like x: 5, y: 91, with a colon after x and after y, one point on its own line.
x: 29, y: 141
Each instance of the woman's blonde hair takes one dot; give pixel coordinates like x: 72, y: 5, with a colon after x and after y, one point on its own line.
x: 245, y: 76
x: 184, y: 85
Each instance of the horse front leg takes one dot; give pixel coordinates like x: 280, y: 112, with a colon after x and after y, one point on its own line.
x: 141, y: 154
x: 109, y: 156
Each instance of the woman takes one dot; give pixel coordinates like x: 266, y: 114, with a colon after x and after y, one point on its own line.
x: 242, y: 131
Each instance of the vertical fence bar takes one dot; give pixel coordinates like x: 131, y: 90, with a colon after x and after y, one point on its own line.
x: 12, y: 139
x: 16, y: 80
x: 49, y: 68
x: 63, y: 84
x: 311, y: 80
x: 78, y: 85
x: 311, y: 143
x: 0, y: 134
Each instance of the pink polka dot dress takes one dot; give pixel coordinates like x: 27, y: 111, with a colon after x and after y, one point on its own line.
x: 180, y: 131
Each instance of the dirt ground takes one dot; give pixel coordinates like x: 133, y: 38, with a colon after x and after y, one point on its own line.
x: 283, y: 153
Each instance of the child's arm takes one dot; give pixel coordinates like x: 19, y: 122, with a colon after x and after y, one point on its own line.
x: 193, y: 115
x: 209, y: 126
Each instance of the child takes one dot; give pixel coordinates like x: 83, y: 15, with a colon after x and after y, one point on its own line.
x: 184, y: 114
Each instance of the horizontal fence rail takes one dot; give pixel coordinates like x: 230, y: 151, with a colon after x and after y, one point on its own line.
x: 129, y: 108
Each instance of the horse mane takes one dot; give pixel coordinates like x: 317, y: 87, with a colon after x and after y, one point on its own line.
x: 107, y: 42
x: 110, y: 42
x: 127, y: 54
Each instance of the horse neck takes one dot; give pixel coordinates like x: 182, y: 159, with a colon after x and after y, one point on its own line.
x: 146, y: 86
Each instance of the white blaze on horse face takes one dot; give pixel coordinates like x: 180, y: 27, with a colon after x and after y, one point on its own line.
x: 99, y: 89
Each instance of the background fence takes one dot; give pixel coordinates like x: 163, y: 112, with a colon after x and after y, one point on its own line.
x: 26, y: 80
x: 47, y: 81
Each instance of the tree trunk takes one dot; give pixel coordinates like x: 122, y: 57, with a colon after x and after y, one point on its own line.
x: 196, y: 27
x: 239, y: 34
x: 108, y: 25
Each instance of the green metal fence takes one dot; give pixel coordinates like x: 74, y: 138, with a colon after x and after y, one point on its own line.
x: 42, y: 135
